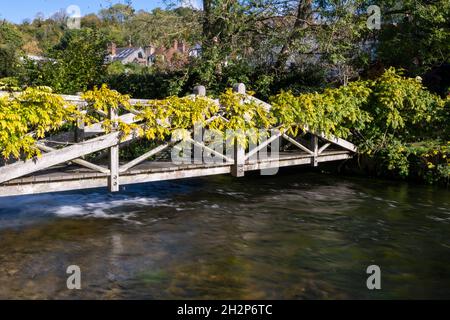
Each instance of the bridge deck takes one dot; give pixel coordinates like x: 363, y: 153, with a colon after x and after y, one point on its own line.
x: 64, y: 178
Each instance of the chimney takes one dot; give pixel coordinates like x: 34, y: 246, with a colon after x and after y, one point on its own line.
x: 183, y: 48
x: 112, y: 49
x: 149, y: 50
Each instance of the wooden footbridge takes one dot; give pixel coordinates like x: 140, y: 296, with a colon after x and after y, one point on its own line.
x: 63, y: 165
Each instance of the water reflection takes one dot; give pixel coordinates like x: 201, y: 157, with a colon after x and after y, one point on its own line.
x: 296, y: 235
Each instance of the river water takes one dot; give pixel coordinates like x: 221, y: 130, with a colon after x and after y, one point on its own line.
x: 297, y: 235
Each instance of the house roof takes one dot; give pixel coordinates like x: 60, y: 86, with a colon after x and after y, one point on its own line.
x: 122, y: 53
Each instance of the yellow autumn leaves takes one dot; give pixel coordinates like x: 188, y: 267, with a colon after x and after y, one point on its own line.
x: 29, y: 115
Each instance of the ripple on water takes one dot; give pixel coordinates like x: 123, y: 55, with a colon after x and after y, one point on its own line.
x: 126, y: 208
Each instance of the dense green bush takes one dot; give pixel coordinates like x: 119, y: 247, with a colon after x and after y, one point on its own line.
x: 74, y: 65
x: 148, y: 85
x: 388, y: 118
x: 404, y: 113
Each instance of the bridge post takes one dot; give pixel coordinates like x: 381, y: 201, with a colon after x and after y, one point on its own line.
x: 315, y: 150
x: 199, y: 91
x: 239, y: 88
x: 113, y: 179
x: 79, y: 129
x: 238, y: 169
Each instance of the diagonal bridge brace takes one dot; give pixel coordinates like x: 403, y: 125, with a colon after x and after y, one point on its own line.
x: 22, y: 168
x: 80, y: 162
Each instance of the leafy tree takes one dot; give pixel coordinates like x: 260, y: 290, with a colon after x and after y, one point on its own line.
x: 76, y: 63
x: 47, y: 32
x: 160, y: 27
x: 10, y: 48
x: 91, y: 21
x: 415, y: 34
x: 302, y: 45
x: 117, y: 14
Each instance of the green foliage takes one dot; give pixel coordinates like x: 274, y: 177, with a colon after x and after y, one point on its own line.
x: 9, y: 84
x: 333, y: 112
x: 115, y: 68
x: 149, y: 85
x: 416, y: 34
x: 116, y: 14
x: 384, y: 117
x: 399, y: 102
x: 75, y: 64
x: 269, y: 45
x: 430, y: 160
x: 160, y: 27
x: 10, y: 46
x: 403, y: 112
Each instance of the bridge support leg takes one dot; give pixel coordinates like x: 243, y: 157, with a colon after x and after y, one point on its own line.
x: 199, y: 91
x: 238, y: 169
x: 315, y: 149
x: 113, y: 180
x: 79, y: 130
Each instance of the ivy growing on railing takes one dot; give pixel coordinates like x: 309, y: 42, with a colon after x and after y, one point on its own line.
x: 28, y: 116
x: 162, y: 117
x: 333, y: 112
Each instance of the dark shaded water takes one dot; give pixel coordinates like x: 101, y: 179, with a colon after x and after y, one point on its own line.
x: 292, y: 236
